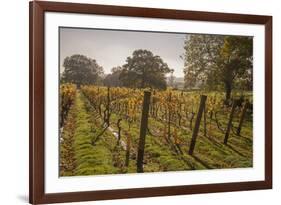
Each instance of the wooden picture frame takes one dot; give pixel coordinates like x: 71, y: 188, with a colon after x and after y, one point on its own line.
x: 37, y: 10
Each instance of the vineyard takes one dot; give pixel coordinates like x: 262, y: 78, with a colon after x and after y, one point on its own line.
x: 121, y: 130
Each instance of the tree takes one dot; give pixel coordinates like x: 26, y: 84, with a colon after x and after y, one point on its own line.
x: 112, y: 80
x: 200, y: 59
x: 81, y: 70
x: 144, y: 69
x: 237, y: 62
x: 214, y: 61
x: 171, y: 79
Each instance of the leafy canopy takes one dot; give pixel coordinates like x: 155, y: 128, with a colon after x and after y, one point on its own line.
x: 143, y: 69
x: 81, y: 70
x: 215, y: 61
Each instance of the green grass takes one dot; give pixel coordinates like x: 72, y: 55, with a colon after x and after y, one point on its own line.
x: 89, y: 159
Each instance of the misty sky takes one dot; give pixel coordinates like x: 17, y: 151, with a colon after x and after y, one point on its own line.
x: 111, y: 48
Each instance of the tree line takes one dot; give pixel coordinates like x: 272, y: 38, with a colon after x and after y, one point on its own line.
x: 214, y: 62
x: 142, y: 69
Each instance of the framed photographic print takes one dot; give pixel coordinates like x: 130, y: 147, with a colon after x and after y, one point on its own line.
x: 139, y: 102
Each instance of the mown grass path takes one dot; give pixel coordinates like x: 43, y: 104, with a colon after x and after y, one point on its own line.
x: 87, y: 159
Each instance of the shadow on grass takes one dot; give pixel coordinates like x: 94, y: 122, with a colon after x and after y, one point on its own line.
x: 237, y: 152
x: 245, y: 138
x: 201, y: 162
x: 217, y: 145
x: 214, y: 142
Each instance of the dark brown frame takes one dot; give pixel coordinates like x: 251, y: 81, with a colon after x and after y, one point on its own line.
x: 36, y: 100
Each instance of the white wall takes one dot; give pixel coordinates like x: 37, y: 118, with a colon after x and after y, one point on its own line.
x: 14, y: 100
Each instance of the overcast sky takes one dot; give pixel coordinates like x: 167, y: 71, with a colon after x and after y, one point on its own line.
x: 111, y: 48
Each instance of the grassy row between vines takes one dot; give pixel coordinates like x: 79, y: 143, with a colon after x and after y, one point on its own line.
x: 88, y: 159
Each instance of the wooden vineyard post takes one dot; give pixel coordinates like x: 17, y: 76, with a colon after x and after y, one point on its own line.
x: 205, y: 121
x: 242, y: 118
x: 108, y: 106
x: 197, y: 123
x: 169, y: 115
x: 128, y: 148
x: 119, y: 131
x: 143, y: 128
x: 230, y: 122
